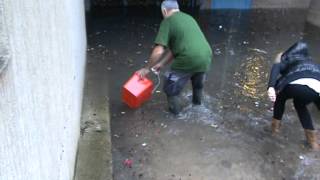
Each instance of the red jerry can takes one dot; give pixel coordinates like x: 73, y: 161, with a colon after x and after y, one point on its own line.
x: 136, y: 91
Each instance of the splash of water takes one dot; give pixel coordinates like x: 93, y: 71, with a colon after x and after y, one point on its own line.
x: 206, y: 113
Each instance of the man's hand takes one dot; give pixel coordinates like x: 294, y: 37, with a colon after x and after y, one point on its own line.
x: 143, y: 72
x: 272, y: 94
x: 157, y: 67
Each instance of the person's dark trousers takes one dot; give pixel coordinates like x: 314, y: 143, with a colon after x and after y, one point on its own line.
x: 175, y: 81
x: 302, y: 96
x: 197, y: 81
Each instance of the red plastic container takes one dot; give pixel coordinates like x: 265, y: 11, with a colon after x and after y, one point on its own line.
x: 136, y: 91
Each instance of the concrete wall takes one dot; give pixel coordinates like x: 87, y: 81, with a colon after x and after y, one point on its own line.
x: 314, y: 13
x: 41, y: 88
x: 280, y: 3
x: 3, y: 42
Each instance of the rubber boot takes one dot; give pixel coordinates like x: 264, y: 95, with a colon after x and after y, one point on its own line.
x: 312, y: 139
x: 197, y: 96
x: 174, y: 105
x: 275, y: 126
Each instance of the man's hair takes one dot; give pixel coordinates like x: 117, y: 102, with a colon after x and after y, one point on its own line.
x: 170, y: 4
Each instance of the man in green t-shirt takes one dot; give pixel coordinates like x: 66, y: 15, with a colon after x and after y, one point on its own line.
x: 181, y: 41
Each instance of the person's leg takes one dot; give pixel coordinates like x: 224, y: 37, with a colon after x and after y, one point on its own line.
x: 317, y: 102
x: 279, y: 104
x: 303, y: 113
x: 173, y: 85
x: 197, y: 80
x: 304, y: 96
x: 306, y: 122
x: 278, y: 109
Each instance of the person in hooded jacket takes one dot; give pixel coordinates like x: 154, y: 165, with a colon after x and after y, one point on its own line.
x: 295, y: 76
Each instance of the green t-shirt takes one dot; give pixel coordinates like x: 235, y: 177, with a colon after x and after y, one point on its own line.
x: 182, y: 35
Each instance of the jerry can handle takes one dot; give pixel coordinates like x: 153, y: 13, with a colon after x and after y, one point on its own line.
x: 157, y: 73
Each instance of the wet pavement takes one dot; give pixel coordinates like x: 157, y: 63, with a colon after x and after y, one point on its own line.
x: 228, y: 137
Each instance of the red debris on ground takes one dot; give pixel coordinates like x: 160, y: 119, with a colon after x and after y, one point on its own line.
x: 128, y: 163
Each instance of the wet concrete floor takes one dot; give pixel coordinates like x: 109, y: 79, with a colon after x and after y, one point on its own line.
x: 228, y: 137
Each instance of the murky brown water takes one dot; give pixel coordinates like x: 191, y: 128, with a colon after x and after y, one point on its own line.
x: 229, y: 136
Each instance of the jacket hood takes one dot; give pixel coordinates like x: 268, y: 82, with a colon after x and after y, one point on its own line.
x: 297, y: 52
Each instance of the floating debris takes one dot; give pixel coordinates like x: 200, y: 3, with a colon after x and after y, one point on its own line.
x: 259, y: 50
x: 158, y: 91
x: 220, y: 27
x: 144, y: 144
x: 301, y: 157
x: 217, y: 52
x: 256, y: 103
x: 130, y: 60
x: 245, y: 42
x: 214, y: 125
x: 164, y: 125
x: 128, y: 163
x: 123, y: 112
x: 116, y: 135
x: 231, y: 52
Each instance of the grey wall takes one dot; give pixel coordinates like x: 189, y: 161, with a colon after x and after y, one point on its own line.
x: 280, y: 3
x: 3, y: 41
x: 314, y: 12
x: 41, y: 89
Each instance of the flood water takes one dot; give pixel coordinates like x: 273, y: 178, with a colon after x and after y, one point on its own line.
x: 228, y: 137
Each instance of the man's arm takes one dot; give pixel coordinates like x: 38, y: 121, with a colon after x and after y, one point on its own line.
x: 275, y: 72
x: 165, y: 59
x: 155, y: 56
